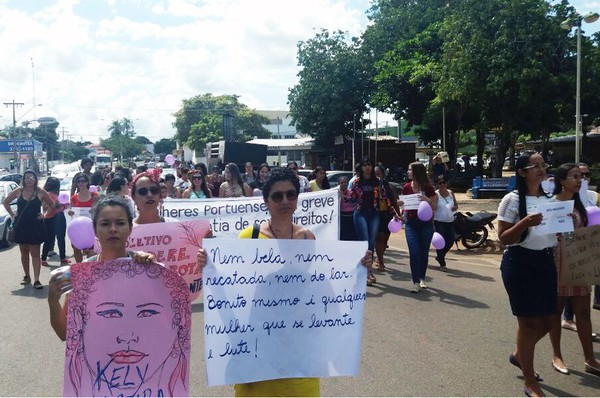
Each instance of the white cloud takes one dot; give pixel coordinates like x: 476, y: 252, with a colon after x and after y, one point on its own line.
x: 103, y: 59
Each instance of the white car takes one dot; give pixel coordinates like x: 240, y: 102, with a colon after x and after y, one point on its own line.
x: 62, y: 171
x: 6, y: 187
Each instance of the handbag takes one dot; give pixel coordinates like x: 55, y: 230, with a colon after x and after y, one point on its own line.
x: 13, y: 231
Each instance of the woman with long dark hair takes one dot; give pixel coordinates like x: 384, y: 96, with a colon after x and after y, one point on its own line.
x: 367, y: 192
x: 262, y: 176
x: 54, y: 222
x: 418, y: 232
x: 82, y: 198
x: 567, y: 183
x: 198, y: 188
x: 320, y: 181
x: 234, y: 186
x: 29, y: 223
x: 528, y: 268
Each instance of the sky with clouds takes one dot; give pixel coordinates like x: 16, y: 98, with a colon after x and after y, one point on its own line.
x: 89, y: 62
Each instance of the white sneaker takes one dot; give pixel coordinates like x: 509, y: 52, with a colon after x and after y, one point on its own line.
x: 422, y: 284
x: 416, y: 288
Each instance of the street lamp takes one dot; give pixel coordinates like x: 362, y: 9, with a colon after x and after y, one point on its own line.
x: 574, y: 21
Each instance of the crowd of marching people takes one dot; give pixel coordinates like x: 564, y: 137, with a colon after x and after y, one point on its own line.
x: 370, y: 208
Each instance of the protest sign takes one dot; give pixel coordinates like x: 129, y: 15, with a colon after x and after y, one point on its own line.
x: 277, y: 308
x: 174, y: 244
x: 317, y: 211
x: 411, y: 202
x: 555, y: 218
x: 128, y: 331
x: 580, y: 257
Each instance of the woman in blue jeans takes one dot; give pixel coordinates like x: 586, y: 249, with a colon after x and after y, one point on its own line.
x: 367, y: 191
x: 418, y: 233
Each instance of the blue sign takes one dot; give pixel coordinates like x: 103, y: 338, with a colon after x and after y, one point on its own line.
x: 23, y: 146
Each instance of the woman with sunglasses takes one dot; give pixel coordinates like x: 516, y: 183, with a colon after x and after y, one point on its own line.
x: 280, y: 194
x: 83, y: 198
x: 443, y: 218
x: 567, y: 180
x: 234, y: 186
x: 198, y: 188
x: 145, y: 192
x: 29, y: 221
x: 303, y: 181
x: 528, y: 269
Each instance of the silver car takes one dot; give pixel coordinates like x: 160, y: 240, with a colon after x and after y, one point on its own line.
x: 6, y: 187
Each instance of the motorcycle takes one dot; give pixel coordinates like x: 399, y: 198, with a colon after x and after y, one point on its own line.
x: 471, y: 229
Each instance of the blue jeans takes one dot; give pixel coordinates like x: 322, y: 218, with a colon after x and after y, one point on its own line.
x: 446, y: 229
x: 366, y: 222
x: 418, y: 238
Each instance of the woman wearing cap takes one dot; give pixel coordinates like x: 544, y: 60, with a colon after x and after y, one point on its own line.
x: 29, y: 232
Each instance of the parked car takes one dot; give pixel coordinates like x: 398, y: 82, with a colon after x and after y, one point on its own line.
x: 15, y: 177
x: 6, y: 187
x: 62, y: 171
x: 334, y: 175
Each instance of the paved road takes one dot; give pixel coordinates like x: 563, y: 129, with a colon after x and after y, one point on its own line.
x: 450, y: 340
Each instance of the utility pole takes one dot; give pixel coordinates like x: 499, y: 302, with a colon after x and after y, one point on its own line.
x: 14, y: 106
x: 62, y: 145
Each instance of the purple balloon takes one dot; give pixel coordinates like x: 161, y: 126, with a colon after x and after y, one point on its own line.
x: 394, y: 225
x: 93, y: 188
x: 63, y: 198
x: 81, y: 233
x: 593, y: 214
x: 424, y: 211
x: 438, y: 241
x: 170, y: 159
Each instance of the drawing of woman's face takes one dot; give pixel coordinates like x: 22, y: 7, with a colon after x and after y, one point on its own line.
x: 125, y: 340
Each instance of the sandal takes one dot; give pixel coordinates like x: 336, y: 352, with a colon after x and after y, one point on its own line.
x: 371, y: 277
x: 26, y: 280
x: 38, y: 285
x: 45, y: 263
x: 65, y: 261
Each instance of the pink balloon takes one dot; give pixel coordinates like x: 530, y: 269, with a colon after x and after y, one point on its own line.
x: 593, y: 214
x: 97, y: 247
x: 438, y: 241
x: 63, y: 198
x: 424, y: 211
x: 93, y: 188
x: 170, y: 159
x: 81, y: 233
x: 394, y: 225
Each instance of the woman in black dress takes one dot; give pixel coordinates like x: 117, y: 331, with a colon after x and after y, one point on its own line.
x: 29, y: 222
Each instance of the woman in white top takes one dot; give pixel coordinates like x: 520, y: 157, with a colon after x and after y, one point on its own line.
x: 528, y: 270
x: 444, y: 218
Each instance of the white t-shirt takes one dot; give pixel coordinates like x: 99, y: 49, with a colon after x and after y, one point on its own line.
x: 443, y: 212
x: 508, y: 211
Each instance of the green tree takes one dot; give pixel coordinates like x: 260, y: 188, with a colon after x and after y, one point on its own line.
x: 165, y: 146
x: 122, y: 139
x: 333, y: 87
x: 200, y: 120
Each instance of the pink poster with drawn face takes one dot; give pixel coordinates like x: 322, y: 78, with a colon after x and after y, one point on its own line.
x: 128, y: 331
x: 174, y: 244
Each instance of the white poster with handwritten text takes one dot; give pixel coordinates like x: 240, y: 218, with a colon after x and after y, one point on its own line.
x: 317, y: 211
x: 282, y: 308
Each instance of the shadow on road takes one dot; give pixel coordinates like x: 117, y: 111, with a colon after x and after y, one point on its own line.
x: 457, y: 273
x: 490, y: 247
x: 29, y: 291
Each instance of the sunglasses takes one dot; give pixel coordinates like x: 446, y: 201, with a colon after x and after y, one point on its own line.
x: 81, y: 181
x: 197, y: 177
x: 144, y: 191
x: 278, y: 196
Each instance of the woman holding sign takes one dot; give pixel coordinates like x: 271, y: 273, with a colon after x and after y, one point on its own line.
x: 419, y: 230
x: 280, y: 194
x: 567, y: 180
x: 528, y: 269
